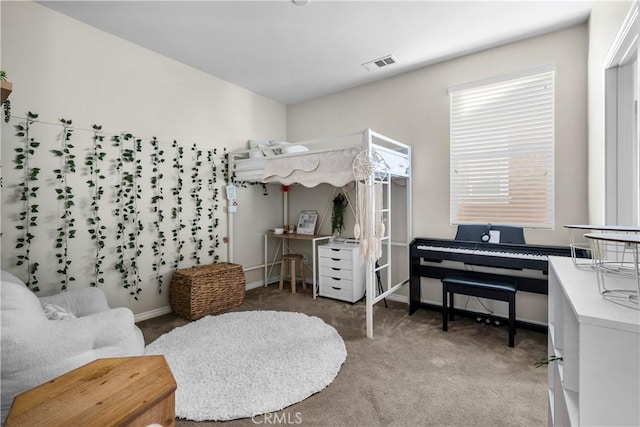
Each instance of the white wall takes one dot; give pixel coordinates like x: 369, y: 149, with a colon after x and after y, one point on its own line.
x: 414, y: 108
x: 62, y: 68
x: 604, y: 24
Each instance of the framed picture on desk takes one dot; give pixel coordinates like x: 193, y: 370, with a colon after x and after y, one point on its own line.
x: 307, y: 222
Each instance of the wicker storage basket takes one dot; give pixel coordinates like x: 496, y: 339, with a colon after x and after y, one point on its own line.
x: 206, y: 289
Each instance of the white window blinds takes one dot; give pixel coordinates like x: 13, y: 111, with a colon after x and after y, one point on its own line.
x: 502, y: 151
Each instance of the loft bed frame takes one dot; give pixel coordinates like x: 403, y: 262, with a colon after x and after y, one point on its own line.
x: 329, y: 160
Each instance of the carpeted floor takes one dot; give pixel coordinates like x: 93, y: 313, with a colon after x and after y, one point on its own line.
x: 411, y: 373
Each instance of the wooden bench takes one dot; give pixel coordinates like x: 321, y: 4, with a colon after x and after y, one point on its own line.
x: 467, y: 284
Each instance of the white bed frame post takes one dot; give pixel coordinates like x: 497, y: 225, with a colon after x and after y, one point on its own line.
x: 369, y: 273
x: 371, y: 270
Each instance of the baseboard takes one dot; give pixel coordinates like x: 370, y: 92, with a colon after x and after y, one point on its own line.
x: 398, y: 298
x: 255, y: 284
x: 152, y: 313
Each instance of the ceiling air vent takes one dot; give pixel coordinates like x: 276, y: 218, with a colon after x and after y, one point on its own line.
x: 380, y: 63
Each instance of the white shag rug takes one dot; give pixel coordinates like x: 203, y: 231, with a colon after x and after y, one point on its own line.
x: 242, y: 364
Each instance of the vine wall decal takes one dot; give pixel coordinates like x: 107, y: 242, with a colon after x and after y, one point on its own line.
x: 96, y: 229
x: 176, y: 211
x: 106, y: 222
x: 119, y: 212
x: 129, y: 225
x: 132, y: 223
x: 214, y: 239
x: 158, y: 245
x: 196, y: 188
x: 66, y: 225
x: 28, y: 217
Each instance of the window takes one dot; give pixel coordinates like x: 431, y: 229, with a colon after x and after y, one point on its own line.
x: 502, y: 150
x: 622, y: 145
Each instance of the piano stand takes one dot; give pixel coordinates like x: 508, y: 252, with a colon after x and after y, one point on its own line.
x: 501, y: 290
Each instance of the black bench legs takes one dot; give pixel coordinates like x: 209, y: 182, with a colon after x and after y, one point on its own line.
x: 501, y: 290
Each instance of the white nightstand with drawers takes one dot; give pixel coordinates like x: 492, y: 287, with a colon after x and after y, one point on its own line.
x: 341, y: 272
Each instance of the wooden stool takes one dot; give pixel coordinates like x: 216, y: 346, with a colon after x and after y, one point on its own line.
x: 291, y: 260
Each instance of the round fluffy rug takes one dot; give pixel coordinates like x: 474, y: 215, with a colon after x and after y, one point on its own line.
x: 242, y: 364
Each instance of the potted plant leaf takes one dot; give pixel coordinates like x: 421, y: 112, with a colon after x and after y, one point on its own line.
x: 5, y: 89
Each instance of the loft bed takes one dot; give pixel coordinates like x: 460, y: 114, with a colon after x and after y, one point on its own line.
x: 326, y: 160
x: 370, y: 159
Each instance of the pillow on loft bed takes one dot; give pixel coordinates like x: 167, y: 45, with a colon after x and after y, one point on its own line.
x: 287, y: 148
x: 261, y: 149
x: 273, y: 148
x: 397, y: 163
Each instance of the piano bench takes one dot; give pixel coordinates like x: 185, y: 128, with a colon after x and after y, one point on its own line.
x: 466, y: 284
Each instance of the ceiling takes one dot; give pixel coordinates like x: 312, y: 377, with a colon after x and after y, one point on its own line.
x: 292, y: 53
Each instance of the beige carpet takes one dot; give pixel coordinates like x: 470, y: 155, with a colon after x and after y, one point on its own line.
x: 411, y: 373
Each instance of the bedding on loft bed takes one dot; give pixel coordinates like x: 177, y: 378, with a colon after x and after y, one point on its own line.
x: 311, y: 163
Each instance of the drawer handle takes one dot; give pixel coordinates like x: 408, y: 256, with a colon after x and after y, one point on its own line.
x: 335, y: 250
x: 335, y: 259
x: 335, y: 269
x: 337, y: 289
x: 336, y: 278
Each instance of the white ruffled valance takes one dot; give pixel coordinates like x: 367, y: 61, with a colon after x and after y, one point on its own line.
x: 310, y: 170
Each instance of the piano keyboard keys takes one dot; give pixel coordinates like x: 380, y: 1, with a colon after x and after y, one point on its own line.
x: 483, y: 252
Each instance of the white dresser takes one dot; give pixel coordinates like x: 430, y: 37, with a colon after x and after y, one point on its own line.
x: 598, y: 380
x: 341, y: 272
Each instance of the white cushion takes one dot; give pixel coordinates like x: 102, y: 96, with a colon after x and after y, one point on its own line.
x: 55, y: 312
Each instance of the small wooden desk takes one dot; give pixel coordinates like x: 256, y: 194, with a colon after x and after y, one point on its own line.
x: 313, y: 238
x: 123, y: 391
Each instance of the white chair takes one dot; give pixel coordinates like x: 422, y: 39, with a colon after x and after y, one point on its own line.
x: 35, y: 349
